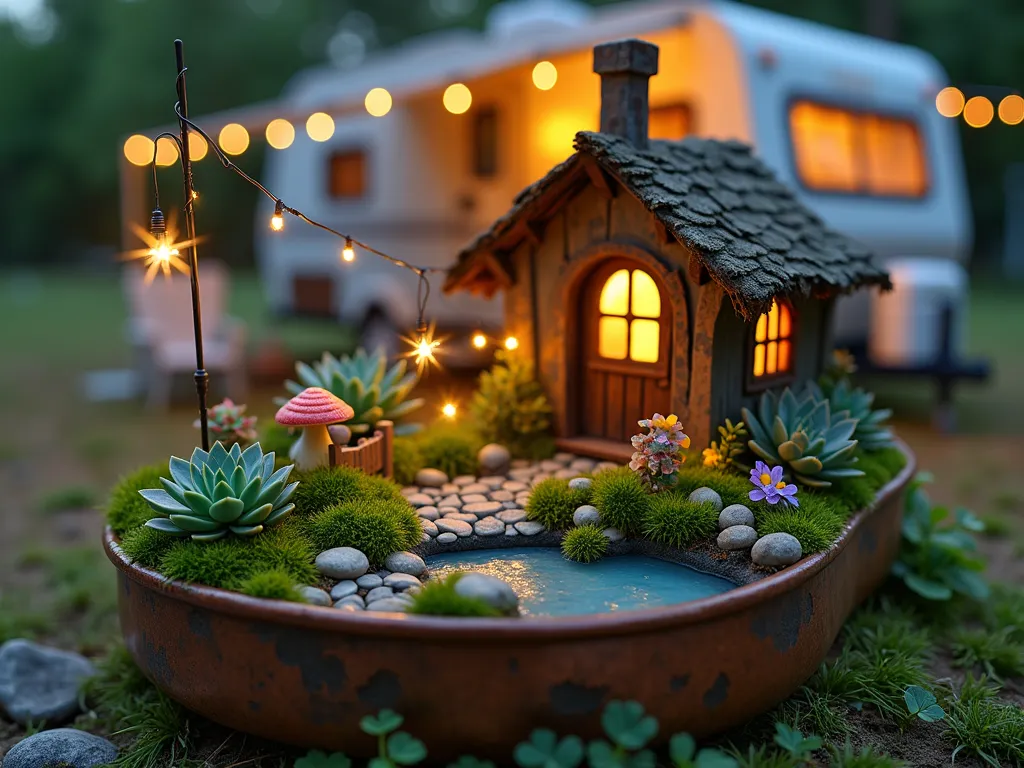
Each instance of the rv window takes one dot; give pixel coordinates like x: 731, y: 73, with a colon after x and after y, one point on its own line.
x: 485, y: 142
x: 840, y: 150
x: 348, y: 174
x: 671, y: 122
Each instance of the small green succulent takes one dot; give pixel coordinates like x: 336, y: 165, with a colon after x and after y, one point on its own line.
x: 366, y: 383
x: 219, y: 492
x: 855, y: 403
x: 801, y: 435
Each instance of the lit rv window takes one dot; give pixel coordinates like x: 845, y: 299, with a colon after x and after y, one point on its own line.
x: 485, y: 142
x: 841, y: 150
x: 347, y: 177
x: 671, y: 122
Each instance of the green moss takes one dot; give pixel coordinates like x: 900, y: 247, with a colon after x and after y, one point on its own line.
x: 845, y: 496
x: 379, y: 487
x: 584, y: 544
x: 325, y: 487
x: 733, y: 488
x: 275, y: 584
x: 997, y: 653
x: 673, y: 520
x: 283, y: 548
x: 451, y: 450
x: 815, y: 523
x: 552, y: 503
x: 377, y: 527
x: 439, y: 598
x: 622, y: 499
x: 126, y: 508
x: 882, y: 466
x: 145, y: 546
x: 407, y: 460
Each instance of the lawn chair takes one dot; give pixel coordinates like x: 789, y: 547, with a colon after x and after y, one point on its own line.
x: 161, y: 333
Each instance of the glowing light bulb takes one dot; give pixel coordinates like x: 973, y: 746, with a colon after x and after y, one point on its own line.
x: 378, y: 102
x: 277, y: 220
x: 457, y: 98
x: 511, y: 343
x: 479, y: 340
x: 449, y: 410
x: 545, y: 75
x: 348, y: 253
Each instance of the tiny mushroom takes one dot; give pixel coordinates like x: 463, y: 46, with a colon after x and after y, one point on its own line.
x: 312, y: 409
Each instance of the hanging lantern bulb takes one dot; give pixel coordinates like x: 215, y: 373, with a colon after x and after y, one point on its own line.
x: 449, y: 410
x: 424, y: 346
x: 479, y: 341
x: 348, y: 253
x: 277, y: 220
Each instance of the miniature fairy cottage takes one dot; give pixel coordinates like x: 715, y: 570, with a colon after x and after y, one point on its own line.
x: 653, y: 276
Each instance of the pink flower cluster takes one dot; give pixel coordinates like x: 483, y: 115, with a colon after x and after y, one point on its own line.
x: 658, y: 454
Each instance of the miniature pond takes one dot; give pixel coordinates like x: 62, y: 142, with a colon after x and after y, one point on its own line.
x: 550, y: 585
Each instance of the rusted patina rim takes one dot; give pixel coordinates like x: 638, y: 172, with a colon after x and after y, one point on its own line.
x: 535, y: 628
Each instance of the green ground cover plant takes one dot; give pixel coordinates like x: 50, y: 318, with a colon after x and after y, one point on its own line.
x: 68, y: 497
x: 511, y: 408
x: 674, y: 520
x: 815, y: 523
x: 126, y: 509
x: 552, y: 503
x: 439, y: 598
x: 377, y: 527
x: 622, y: 499
x: 584, y: 544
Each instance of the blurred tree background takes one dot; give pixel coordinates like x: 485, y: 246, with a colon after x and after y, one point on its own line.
x: 82, y: 74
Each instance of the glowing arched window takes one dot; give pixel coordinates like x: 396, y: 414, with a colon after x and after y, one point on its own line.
x: 773, y: 343
x: 630, y: 308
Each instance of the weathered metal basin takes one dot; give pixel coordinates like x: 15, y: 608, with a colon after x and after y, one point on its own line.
x: 305, y: 675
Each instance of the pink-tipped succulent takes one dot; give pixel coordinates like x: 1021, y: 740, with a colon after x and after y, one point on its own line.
x: 228, y: 423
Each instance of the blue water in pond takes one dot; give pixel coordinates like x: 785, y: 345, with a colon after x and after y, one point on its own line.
x: 550, y: 585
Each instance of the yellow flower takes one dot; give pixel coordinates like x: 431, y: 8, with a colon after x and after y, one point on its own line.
x: 711, y: 457
x: 685, y: 442
x: 665, y: 422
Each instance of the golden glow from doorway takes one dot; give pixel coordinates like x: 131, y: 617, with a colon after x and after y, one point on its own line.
x: 629, y: 327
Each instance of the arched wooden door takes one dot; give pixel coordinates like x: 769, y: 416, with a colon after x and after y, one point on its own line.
x: 625, y: 351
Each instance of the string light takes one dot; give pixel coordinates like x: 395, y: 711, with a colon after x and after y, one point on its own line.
x: 348, y: 253
x: 511, y: 343
x: 457, y: 98
x: 160, y: 254
x: 277, y: 220
x: 545, y: 75
x: 378, y: 102
x: 233, y: 139
x: 424, y: 348
x: 479, y: 341
x: 449, y: 410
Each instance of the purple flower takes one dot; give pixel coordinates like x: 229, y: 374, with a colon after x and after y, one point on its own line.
x: 769, y: 485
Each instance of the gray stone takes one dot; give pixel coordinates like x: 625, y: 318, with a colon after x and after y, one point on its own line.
x: 735, y: 514
x: 514, y: 486
x: 405, y: 562
x: 61, y: 746
x: 449, y: 488
x: 378, y: 593
x: 707, y: 495
x: 566, y: 474
x: 474, y: 498
x: 369, y: 581
x: 428, y: 513
x: 458, y: 527
x: 341, y: 605
x: 315, y: 595
x: 521, y: 463
x: 511, y: 505
x: 431, y: 478
x: 493, y: 482
x: 776, y: 549
x: 410, y: 490
x: 39, y: 683
x: 552, y: 465
x: 446, y: 538
x: 580, y: 483
x: 464, y: 480
x: 737, y: 537
x: 489, y: 526
x: 494, y: 459
x: 383, y: 573
x: 492, y: 590
x: 401, y: 581
x: 475, y: 488
x: 463, y: 516
x: 586, y: 515
x: 450, y: 501
x: 539, y: 478
x: 529, y: 527
x: 405, y: 597
x: 582, y: 465
x: 342, y: 563
x: 425, y: 538
x: 428, y: 528
x: 345, y: 588
x: 389, y: 605
x: 501, y: 495
x: 510, y: 530
x: 353, y: 600
x: 511, y: 516
x: 613, y: 534
x: 522, y: 475
x: 431, y: 492
x: 483, y: 508
x: 420, y: 500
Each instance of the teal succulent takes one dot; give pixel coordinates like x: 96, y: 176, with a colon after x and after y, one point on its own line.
x: 802, y: 435
x: 855, y: 403
x: 219, y: 492
x: 365, y: 382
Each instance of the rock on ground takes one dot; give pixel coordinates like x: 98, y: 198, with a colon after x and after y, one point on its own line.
x: 315, y: 595
x: 737, y: 537
x: 348, y: 587
x: 494, y: 459
x: 390, y: 604
x: 39, y: 683
x: 776, y: 549
x: 580, y: 483
x: 586, y: 515
x: 489, y: 526
x: 342, y: 563
x: 431, y: 478
x: 735, y: 514
x: 446, y: 538
x: 529, y: 527
x: 704, y: 495
x: 60, y: 746
x: 491, y: 590
x: 405, y: 562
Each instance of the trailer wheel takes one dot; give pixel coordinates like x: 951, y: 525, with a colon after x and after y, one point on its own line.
x: 378, y: 332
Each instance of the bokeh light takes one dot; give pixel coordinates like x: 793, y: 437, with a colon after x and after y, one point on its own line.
x: 233, y: 139
x: 280, y: 133
x: 457, y: 98
x: 378, y: 102
x: 978, y: 112
x: 1011, y: 109
x: 950, y: 101
x: 197, y: 147
x: 166, y: 151
x: 138, y: 149
x: 545, y: 75
x: 320, y: 126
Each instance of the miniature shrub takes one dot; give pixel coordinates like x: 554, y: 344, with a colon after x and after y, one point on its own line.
x: 450, y: 450
x: 674, y: 520
x: 985, y: 726
x: 621, y: 498
x: 377, y: 527
x: 439, y: 598
x: 815, y: 523
x: 552, y: 503
x: 275, y: 584
x: 584, y: 544
x: 145, y: 546
x: 380, y: 487
x: 733, y: 488
x: 407, y: 460
x: 510, y: 406
x: 126, y: 508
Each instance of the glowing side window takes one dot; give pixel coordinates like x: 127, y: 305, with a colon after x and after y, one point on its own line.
x: 824, y: 142
x: 773, y: 344
x: 615, y: 294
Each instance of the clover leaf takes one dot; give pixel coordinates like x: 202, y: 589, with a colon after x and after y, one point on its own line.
x: 628, y: 725
x: 405, y: 749
x: 794, y: 742
x: 384, y: 722
x: 545, y: 750
x: 317, y: 759
x: 923, y: 703
x: 681, y: 749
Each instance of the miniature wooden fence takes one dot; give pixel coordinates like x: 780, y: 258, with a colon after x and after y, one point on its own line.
x: 370, y: 454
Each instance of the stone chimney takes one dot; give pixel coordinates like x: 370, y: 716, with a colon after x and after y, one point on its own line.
x: 625, y: 66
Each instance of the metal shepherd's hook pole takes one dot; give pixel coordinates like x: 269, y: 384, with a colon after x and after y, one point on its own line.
x: 202, y: 378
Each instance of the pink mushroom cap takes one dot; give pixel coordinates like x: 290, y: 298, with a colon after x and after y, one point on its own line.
x: 313, y: 406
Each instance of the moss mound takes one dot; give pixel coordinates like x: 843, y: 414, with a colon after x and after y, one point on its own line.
x: 377, y: 527
x: 145, y: 546
x: 275, y: 584
x: 450, y: 450
x: 439, y: 598
x: 584, y: 544
x: 815, y: 523
x: 674, y: 520
x: 622, y: 499
x: 734, y: 488
x: 126, y: 509
x: 552, y: 503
